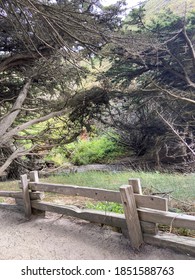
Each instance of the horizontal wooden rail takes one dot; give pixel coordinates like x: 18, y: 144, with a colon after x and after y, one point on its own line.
x: 147, y: 201
x: 18, y: 194
x: 118, y: 220
x: 13, y: 194
x: 182, y: 244
x: 177, y: 220
x: 151, y: 201
x: 108, y: 218
x: 72, y: 190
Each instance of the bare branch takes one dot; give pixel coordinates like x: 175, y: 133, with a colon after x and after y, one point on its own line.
x: 174, y: 95
x: 176, y: 133
x: 8, y: 120
x: 17, y: 153
x: 190, y: 45
x: 23, y: 126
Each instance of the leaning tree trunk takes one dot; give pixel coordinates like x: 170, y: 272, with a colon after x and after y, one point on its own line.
x: 15, y: 168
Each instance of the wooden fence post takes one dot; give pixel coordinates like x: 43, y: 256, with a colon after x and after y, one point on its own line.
x: 26, y: 196
x: 136, y: 184
x: 146, y: 227
x: 131, y: 215
x: 34, y: 177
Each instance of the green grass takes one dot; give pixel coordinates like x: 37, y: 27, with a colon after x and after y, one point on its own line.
x: 181, y: 186
x: 9, y: 186
x: 106, y: 206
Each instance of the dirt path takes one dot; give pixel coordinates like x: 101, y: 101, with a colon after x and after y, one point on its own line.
x: 55, y: 237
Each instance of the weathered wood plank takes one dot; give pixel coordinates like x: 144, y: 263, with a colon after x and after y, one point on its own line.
x: 132, y: 219
x: 13, y: 194
x: 181, y: 244
x: 98, y: 194
x: 148, y: 227
x: 150, y: 201
x: 20, y: 184
x: 136, y: 184
x: 36, y: 195
x: 26, y: 196
x: 34, y: 176
x: 108, y: 218
x: 167, y: 218
x: 18, y: 194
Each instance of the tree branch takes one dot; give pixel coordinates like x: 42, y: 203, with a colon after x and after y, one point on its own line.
x: 176, y: 133
x: 174, y: 95
x: 23, y: 126
x: 17, y: 153
x: 190, y: 45
x: 8, y: 120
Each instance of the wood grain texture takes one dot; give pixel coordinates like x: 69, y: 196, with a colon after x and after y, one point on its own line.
x: 72, y: 190
x: 136, y: 184
x: 108, y: 218
x: 150, y: 201
x: 26, y: 196
x: 148, y: 227
x: 18, y: 194
x: 147, y: 201
x: 34, y: 176
x: 167, y: 218
x: 177, y: 243
x: 13, y: 194
x: 131, y: 215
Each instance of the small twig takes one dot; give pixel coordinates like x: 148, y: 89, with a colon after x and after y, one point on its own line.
x: 171, y: 225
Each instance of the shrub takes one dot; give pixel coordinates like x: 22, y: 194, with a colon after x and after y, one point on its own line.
x: 57, y: 156
x: 96, y: 150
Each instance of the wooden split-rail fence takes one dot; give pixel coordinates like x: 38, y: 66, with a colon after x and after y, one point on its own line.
x: 142, y: 213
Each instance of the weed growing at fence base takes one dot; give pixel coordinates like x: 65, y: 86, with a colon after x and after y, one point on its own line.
x: 178, y: 231
x: 106, y: 206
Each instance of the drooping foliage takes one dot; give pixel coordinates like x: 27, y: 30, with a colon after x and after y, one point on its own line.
x: 42, y: 44
x: 147, y: 94
x: 153, y: 65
